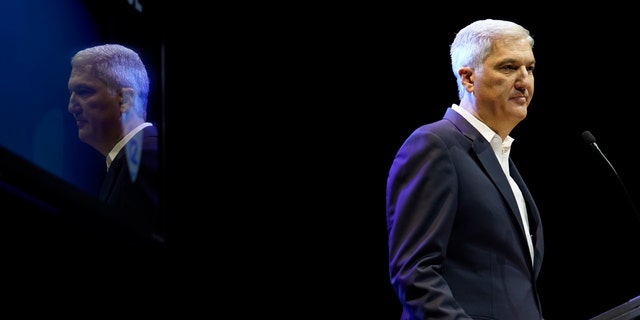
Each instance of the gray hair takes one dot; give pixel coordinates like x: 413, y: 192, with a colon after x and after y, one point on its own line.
x: 474, y: 42
x: 118, y: 67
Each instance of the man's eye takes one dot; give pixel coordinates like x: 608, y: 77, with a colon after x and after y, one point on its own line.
x: 82, y: 93
x: 508, y: 67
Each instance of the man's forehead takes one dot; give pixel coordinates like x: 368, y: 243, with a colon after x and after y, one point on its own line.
x: 84, y: 77
x: 82, y: 69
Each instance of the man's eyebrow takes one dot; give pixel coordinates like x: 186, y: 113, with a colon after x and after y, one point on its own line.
x: 82, y: 86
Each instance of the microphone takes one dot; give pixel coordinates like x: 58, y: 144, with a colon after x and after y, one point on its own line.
x: 591, y: 140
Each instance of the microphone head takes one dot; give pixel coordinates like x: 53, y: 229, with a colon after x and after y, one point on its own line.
x: 588, y: 137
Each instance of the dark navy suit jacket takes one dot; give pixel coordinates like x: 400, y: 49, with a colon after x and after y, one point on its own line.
x: 135, y: 203
x: 457, y: 249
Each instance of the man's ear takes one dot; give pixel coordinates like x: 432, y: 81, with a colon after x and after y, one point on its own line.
x: 126, y: 96
x: 467, y: 75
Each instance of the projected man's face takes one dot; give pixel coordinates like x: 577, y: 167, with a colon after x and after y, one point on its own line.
x: 97, y: 110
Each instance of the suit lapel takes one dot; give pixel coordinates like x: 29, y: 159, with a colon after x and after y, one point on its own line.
x: 110, y: 177
x: 118, y: 164
x: 488, y: 159
x: 492, y: 166
x: 535, y: 225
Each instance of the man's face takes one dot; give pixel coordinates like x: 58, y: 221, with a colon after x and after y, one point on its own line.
x: 96, y: 110
x: 504, y: 87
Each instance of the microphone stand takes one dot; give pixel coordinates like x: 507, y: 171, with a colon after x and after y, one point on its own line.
x: 590, y: 139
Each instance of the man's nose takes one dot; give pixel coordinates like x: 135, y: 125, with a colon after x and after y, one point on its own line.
x: 524, y: 77
x: 73, y: 106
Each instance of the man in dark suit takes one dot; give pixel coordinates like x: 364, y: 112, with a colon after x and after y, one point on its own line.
x: 465, y: 236
x: 109, y: 89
